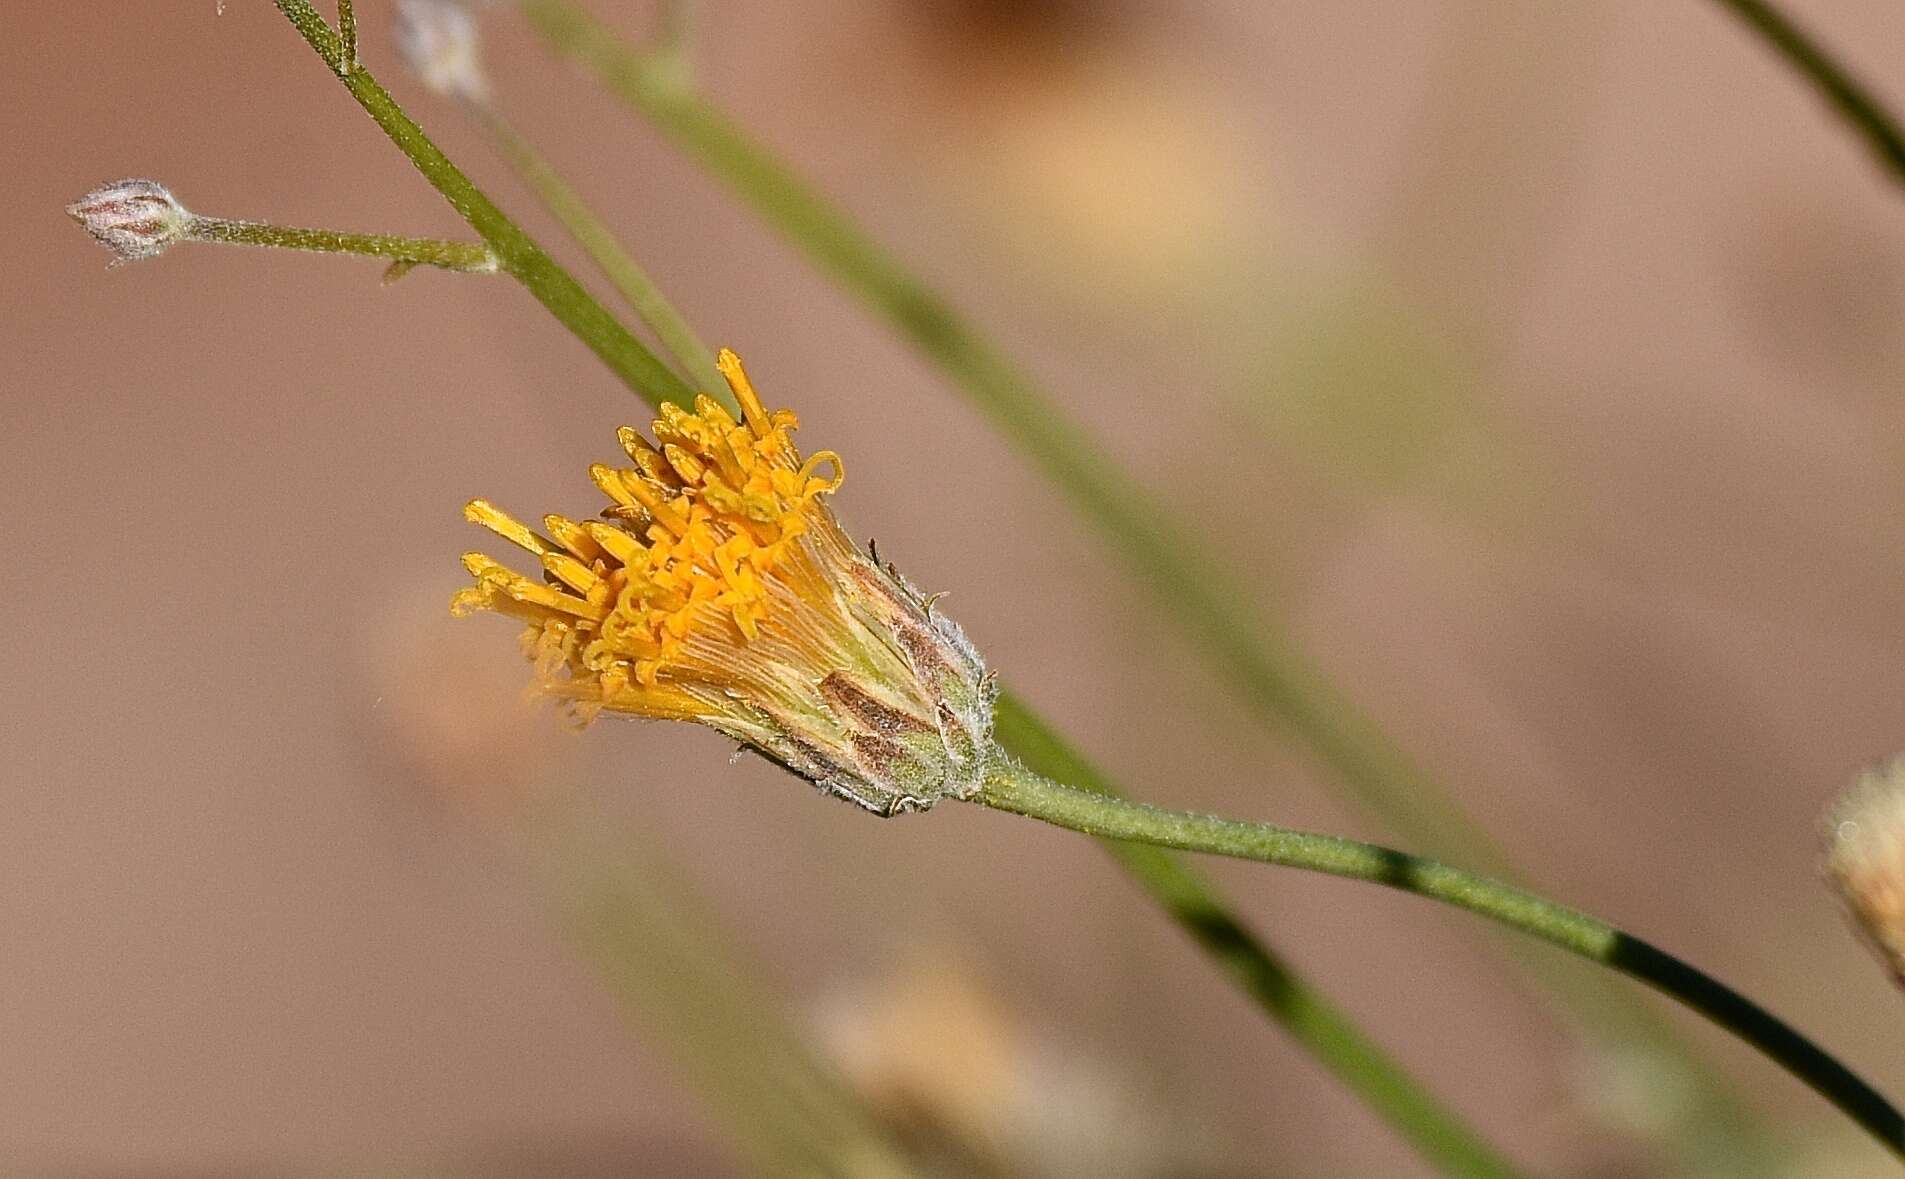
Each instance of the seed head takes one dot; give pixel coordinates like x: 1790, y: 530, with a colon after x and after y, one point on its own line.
x: 1865, y: 859
x: 718, y: 587
x: 132, y: 218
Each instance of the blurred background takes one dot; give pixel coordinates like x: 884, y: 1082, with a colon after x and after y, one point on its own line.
x: 1539, y: 366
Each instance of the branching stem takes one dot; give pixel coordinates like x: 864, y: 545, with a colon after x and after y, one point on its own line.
x: 517, y: 254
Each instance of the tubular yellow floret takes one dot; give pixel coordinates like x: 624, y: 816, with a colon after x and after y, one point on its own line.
x: 736, y: 376
x: 481, y: 511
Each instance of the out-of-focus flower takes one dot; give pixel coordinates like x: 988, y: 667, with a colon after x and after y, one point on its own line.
x: 928, y: 1041
x: 1865, y: 858
x: 719, y: 588
x: 439, y: 42
x: 133, y: 218
x: 935, y: 1049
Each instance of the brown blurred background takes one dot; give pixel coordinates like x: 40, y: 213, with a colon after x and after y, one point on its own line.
x: 1539, y: 364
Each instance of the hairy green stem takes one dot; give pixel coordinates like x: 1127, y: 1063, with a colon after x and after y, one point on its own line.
x: 471, y: 257
x: 347, y: 29
x: 1019, y: 790
x: 1854, y: 103
x: 516, y: 253
x: 637, y: 289
x: 1310, y: 1019
x: 1283, y: 687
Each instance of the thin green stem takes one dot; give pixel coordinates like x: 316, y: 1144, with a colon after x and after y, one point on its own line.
x: 1316, y: 1024
x: 517, y: 254
x: 1282, y: 686
x: 637, y: 289
x: 471, y: 257
x: 1854, y: 103
x: 1019, y: 790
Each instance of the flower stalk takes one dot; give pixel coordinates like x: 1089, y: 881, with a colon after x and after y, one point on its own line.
x: 138, y: 219
x: 1015, y: 789
x: 1305, y: 1013
x: 404, y: 252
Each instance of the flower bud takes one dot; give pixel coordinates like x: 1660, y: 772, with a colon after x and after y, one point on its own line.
x: 438, y: 42
x: 1865, y: 859
x: 132, y: 218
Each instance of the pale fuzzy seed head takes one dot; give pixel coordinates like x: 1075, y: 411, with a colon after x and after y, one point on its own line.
x: 133, y: 218
x: 439, y: 42
x: 1865, y: 858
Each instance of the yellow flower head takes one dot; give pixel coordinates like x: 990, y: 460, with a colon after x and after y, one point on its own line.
x: 718, y: 587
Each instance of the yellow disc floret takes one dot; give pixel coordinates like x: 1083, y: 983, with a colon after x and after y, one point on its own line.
x: 717, y: 586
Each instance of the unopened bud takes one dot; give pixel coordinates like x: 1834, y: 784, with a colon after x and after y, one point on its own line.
x: 438, y: 42
x: 1865, y: 859
x: 132, y: 218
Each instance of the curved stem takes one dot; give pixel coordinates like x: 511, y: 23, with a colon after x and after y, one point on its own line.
x: 1011, y: 787
x: 1854, y: 103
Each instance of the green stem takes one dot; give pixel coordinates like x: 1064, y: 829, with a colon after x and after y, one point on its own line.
x: 1016, y: 789
x: 517, y: 254
x: 471, y: 257
x: 615, y: 263
x: 1316, y: 1024
x: 1861, y: 111
x: 1282, y: 686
